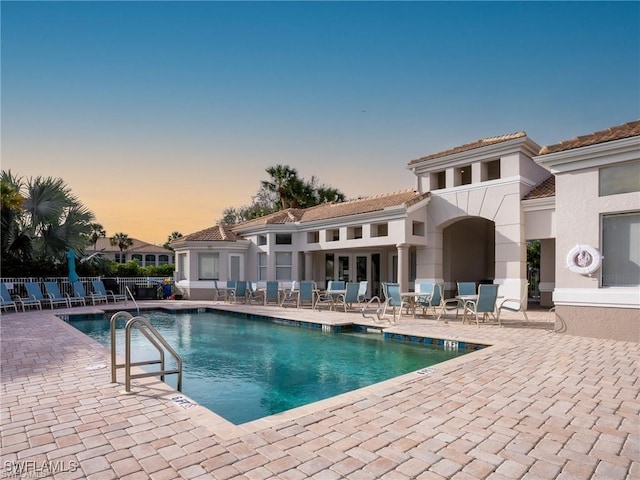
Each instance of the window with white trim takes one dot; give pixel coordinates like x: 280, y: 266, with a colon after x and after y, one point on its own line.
x: 182, y: 266
x: 284, y: 265
x: 262, y: 266
x: 208, y: 266
x: 620, y: 251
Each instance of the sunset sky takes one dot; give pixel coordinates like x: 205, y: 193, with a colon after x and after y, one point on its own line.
x: 158, y: 115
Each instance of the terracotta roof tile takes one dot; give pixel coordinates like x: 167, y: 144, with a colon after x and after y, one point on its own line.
x: 626, y: 130
x: 104, y: 244
x: 471, y: 146
x: 543, y: 190
x: 217, y: 233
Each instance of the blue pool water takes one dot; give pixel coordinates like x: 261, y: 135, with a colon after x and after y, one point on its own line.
x: 244, y: 369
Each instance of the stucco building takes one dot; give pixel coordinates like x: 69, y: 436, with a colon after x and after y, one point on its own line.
x: 468, y: 218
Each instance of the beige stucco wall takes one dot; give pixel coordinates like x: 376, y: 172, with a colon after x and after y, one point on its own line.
x: 599, y: 322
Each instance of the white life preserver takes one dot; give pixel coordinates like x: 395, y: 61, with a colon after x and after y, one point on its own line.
x: 584, y: 259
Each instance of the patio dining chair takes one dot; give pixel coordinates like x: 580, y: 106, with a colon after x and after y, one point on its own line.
x: 239, y: 293
x: 515, y: 304
x: 290, y: 296
x: 362, y: 291
x: 393, y: 299
x: 349, y: 297
x: 272, y: 292
x: 253, y: 294
x: 485, y: 304
x: 329, y: 296
x: 307, y: 293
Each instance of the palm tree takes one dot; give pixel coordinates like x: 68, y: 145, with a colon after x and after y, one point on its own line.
x: 174, y: 236
x: 122, y: 241
x: 97, y: 231
x: 284, y: 181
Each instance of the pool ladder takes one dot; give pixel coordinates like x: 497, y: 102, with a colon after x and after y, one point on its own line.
x: 160, y: 344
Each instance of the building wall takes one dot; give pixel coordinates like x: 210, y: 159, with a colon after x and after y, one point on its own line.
x: 599, y: 322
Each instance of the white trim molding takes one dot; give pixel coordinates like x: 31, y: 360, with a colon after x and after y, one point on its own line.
x: 618, y: 297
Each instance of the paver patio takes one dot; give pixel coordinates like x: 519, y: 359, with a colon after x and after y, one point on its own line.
x: 534, y: 405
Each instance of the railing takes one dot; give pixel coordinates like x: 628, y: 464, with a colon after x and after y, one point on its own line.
x: 126, y: 290
x: 154, y: 338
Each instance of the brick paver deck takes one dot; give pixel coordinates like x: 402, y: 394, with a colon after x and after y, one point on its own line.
x: 534, y: 405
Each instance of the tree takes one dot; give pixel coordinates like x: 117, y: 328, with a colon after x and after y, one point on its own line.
x: 284, y: 183
x: 49, y: 221
x: 122, y: 241
x: 97, y: 231
x: 174, y: 236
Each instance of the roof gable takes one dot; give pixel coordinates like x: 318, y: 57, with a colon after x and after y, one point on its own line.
x: 217, y: 233
x: 545, y: 189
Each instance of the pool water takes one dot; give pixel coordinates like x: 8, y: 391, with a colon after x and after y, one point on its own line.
x: 244, y: 369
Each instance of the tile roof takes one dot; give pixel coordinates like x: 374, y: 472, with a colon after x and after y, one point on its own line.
x: 335, y: 210
x: 217, y: 233
x: 471, y: 146
x: 104, y: 244
x: 626, y: 130
x: 543, y: 190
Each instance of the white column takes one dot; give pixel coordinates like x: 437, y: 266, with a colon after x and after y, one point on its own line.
x: 308, y: 265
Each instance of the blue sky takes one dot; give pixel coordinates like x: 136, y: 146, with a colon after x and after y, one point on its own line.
x: 158, y: 115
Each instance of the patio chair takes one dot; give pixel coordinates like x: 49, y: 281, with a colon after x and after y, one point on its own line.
x: 34, y: 294
x: 35, y: 291
x: 515, y: 305
x: 362, y: 291
x: 431, y: 300
x: 80, y: 292
x: 53, y: 292
x: 307, y: 293
x: 253, y: 294
x: 220, y: 292
x: 464, y: 289
x: 100, y: 289
x: 272, y: 292
x: 349, y: 297
x: 393, y: 299
x: 485, y: 304
x: 6, y: 300
x: 239, y: 292
x: 291, y: 295
x: 328, y: 297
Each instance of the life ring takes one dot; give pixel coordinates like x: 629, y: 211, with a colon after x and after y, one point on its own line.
x: 584, y: 259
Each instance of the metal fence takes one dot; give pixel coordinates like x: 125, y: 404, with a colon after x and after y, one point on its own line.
x: 15, y: 285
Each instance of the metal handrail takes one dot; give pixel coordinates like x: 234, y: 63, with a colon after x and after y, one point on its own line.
x: 126, y: 288
x: 145, y: 327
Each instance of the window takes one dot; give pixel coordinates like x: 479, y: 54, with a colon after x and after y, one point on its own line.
x: 379, y: 230
x: 283, y: 239
x: 182, y: 266
x: 333, y: 235
x: 491, y: 170
x: 620, y: 252
x: 150, y: 259
x: 328, y: 262
x: 313, y: 237
x: 262, y: 239
x: 122, y: 258
x: 262, y: 266
x: 418, y: 229
x: 438, y: 180
x: 138, y: 257
x: 208, y: 266
x: 163, y: 259
x: 283, y: 265
x: 353, y: 233
x: 623, y: 178
x: 463, y: 175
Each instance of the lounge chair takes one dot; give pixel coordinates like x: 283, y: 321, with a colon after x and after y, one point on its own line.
x: 53, y: 292
x: 329, y: 296
x: 515, y: 305
x: 349, y: 297
x: 6, y: 300
x: 393, y: 299
x: 272, y: 292
x: 80, y: 292
x: 307, y: 293
x: 485, y: 304
x: 99, y: 289
x: 35, y: 292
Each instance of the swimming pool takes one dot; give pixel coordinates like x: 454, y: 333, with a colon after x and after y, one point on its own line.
x: 247, y: 368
